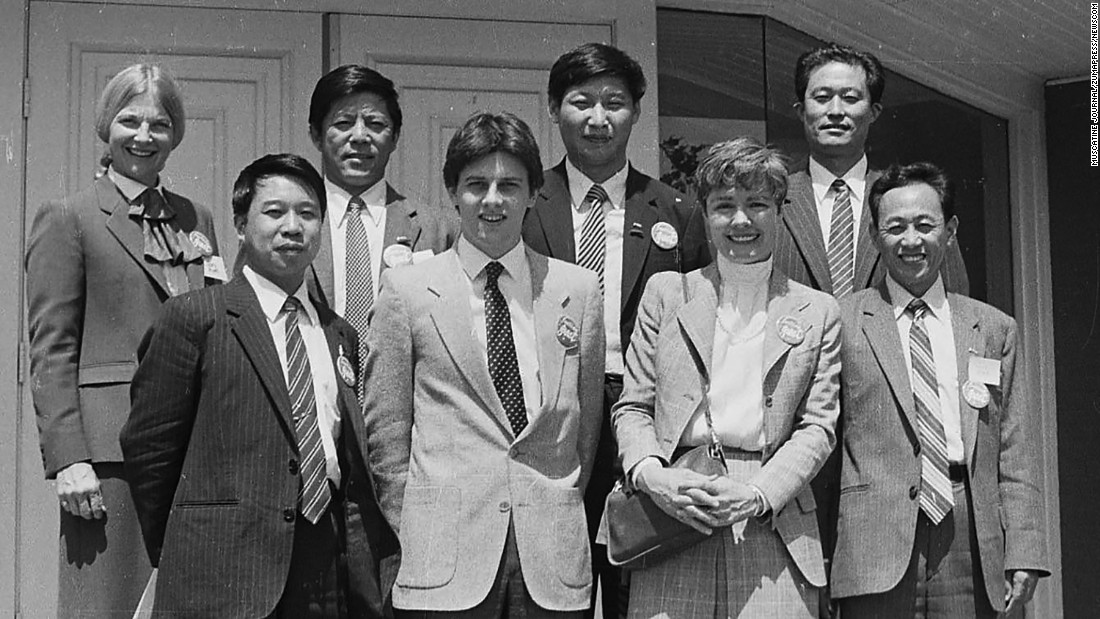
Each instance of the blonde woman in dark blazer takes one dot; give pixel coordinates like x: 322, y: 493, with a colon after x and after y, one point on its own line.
x: 99, y: 264
x: 761, y: 352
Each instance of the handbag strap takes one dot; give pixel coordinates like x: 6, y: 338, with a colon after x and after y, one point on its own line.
x: 715, y: 443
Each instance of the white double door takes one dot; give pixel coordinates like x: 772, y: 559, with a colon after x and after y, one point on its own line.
x: 246, y: 77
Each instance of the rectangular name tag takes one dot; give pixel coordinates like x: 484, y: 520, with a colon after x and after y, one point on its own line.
x: 985, y: 371
x: 214, y: 268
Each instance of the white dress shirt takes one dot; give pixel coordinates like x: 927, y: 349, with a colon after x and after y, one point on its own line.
x: 373, y: 218
x: 272, y: 298
x: 515, y: 285
x: 937, y: 322
x: 736, y: 390
x: 825, y: 195
x: 614, y: 221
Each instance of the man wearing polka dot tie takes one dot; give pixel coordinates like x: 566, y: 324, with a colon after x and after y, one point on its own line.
x: 484, y: 400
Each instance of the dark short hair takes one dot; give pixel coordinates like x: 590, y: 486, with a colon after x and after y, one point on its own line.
x: 283, y: 164
x: 742, y: 162
x: 351, y: 79
x: 484, y: 134
x: 912, y: 174
x: 593, y: 60
x: 833, y: 52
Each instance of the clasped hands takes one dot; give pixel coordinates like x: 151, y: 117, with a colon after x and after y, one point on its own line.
x: 700, y: 501
x: 78, y: 491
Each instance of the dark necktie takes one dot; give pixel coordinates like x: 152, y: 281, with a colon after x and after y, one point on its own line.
x: 593, y: 244
x: 841, y: 252
x: 359, y: 283
x: 501, y: 348
x: 936, y: 497
x: 313, y: 493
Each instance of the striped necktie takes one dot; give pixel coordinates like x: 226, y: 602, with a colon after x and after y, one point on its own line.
x: 936, y: 498
x: 501, y: 350
x: 314, y: 494
x: 359, y: 283
x: 841, y: 252
x: 593, y: 243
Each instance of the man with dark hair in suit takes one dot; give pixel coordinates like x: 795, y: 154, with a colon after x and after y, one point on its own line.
x: 941, y: 502
x: 597, y: 211
x: 242, y: 446
x: 485, y: 370
x: 823, y: 241
x: 355, y: 122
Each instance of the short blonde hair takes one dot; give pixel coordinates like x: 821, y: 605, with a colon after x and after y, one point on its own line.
x: 135, y: 80
x: 742, y: 162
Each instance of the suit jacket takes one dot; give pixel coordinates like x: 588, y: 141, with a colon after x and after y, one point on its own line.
x: 418, y: 226
x: 800, y: 248
x: 451, y: 476
x: 83, y: 253
x: 212, y: 459
x: 548, y: 229
x: 881, y: 458
x: 668, y: 368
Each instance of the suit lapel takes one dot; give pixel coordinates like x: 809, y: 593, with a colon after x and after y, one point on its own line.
x: 698, y: 314
x: 641, y: 213
x: 555, y: 217
x: 402, y: 225
x: 866, y: 254
x: 550, y: 304
x: 881, y: 329
x: 451, y: 315
x: 126, y: 231
x: 966, y: 328
x: 781, y: 305
x: 250, y: 327
x: 322, y: 283
x: 800, y: 216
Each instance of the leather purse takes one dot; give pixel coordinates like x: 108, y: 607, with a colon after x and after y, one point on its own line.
x: 640, y: 534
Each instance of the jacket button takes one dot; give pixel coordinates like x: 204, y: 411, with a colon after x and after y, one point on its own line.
x: 768, y: 401
x: 288, y: 514
x: 292, y: 466
x: 505, y: 506
x: 916, y: 449
x: 913, y: 492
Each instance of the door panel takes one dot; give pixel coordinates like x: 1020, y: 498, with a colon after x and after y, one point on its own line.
x: 447, y: 69
x: 246, y: 93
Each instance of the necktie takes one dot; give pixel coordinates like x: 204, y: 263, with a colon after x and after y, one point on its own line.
x: 359, y: 283
x: 313, y: 493
x: 503, y: 366
x: 936, y: 498
x: 842, y: 241
x: 592, y: 246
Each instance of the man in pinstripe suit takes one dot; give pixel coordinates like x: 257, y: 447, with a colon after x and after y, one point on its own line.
x: 241, y: 448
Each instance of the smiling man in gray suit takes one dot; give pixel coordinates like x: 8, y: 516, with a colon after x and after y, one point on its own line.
x: 941, y: 509
x: 484, y: 400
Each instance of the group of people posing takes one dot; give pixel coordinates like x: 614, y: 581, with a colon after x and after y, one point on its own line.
x: 415, y: 410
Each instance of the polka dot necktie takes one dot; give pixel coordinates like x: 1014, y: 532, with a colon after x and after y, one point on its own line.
x: 936, y: 496
x: 503, y: 366
x: 314, y: 495
x: 360, y: 283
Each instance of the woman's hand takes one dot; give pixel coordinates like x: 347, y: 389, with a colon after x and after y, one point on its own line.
x: 726, y: 500
x: 673, y: 490
x: 78, y: 491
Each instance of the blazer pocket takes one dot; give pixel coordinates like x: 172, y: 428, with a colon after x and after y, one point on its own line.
x: 572, y: 554
x: 854, y: 488
x: 429, y: 536
x: 208, y: 503
x: 106, y: 373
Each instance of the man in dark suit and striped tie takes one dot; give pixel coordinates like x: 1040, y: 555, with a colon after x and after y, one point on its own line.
x: 242, y: 447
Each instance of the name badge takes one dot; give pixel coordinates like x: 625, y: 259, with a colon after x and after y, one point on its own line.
x: 214, y: 268
x: 397, y: 255
x: 984, y: 371
x: 422, y: 255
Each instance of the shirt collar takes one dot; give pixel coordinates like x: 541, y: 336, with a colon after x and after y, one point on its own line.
x: 579, y: 184
x: 272, y: 298
x: 473, y: 260
x: 735, y: 274
x: 935, y: 297
x: 130, y: 188
x: 338, y: 197
x: 855, y: 178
